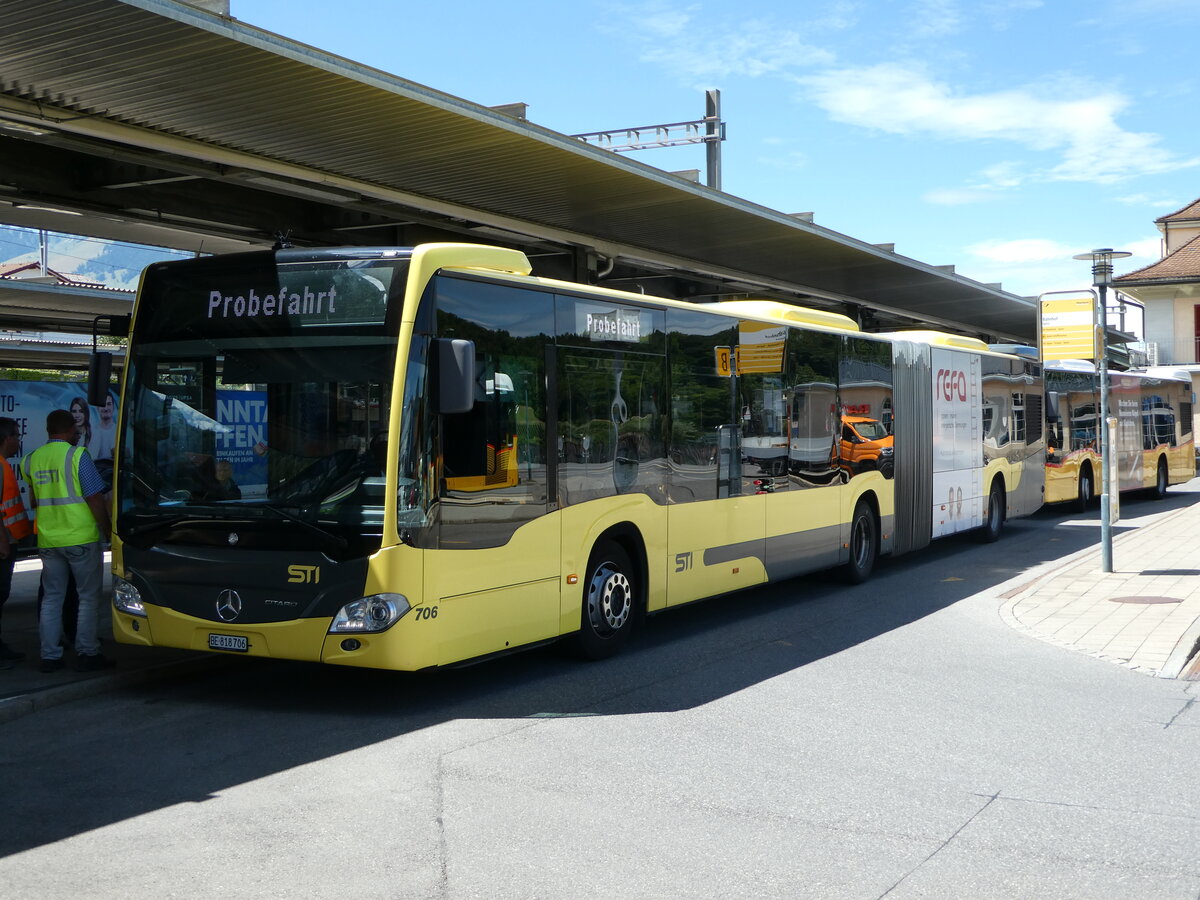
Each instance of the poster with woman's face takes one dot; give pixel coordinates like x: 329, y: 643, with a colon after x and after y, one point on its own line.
x: 29, y: 402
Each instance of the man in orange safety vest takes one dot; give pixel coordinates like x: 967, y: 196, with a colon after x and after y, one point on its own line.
x: 14, y: 523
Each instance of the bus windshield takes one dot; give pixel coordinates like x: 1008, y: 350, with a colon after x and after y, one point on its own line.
x: 261, y: 389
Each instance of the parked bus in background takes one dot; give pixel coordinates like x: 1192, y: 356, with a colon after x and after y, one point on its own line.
x: 1155, y: 446
x: 404, y: 458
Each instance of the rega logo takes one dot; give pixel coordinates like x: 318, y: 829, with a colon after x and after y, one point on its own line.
x: 304, y: 574
x: 951, y: 384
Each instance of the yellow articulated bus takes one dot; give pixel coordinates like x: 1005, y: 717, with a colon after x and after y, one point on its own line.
x: 1155, y: 447
x: 405, y: 458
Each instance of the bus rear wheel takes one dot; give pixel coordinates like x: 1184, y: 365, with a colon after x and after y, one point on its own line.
x: 1087, y: 491
x: 994, y: 523
x: 864, y: 544
x: 1161, y: 480
x: 610, y: 598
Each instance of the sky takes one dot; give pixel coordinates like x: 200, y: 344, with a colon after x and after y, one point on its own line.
x: 999, y: 136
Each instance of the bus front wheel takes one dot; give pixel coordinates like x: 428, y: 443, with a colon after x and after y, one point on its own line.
x: 864, y: 543
x: 610, y: 597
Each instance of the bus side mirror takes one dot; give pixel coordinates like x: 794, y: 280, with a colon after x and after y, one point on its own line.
x: 100, y: 362
x: 456, y: 375
x: 99, y: 374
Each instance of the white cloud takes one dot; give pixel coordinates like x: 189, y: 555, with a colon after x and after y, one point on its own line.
x: 679, y: 40
x: 935, y: 18
x: 1137, y: 8
x: 1023, y: 250
x: 1036, y: 250
x: 1147, y: 200
x: 1029, y: 279
x: 1032, y: 266
x: 1003, y: 175
x: 1081, y: 129
x: 666, y: 23
x: 1146, y: 249
x: 956, y: 196
x: 790, y: 160
x: 1002, y: 10
x: 753, y: 49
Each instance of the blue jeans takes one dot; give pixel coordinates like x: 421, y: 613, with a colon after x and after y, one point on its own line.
x: 6, y: 573
x: 86, y: 563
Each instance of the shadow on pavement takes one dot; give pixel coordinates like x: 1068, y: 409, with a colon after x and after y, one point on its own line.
x: 150, y: 746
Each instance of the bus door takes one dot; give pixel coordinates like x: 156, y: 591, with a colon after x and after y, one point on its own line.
x: 492, y: 568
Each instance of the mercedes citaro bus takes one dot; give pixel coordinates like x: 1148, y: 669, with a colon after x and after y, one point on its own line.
x: 404, y: 458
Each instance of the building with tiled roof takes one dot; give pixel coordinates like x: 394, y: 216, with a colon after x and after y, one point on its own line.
x: 1170, y: 290
x: 1182, y: 266
x: 1190, y: 213
x: 33, y: 271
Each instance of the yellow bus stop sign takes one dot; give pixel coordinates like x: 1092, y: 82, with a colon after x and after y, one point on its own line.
x: 724, y: 361
x: 1068, y: 325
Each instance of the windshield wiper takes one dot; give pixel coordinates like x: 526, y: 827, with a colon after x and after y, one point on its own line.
x: 143, y: 522
x: 162, y: 521
x: 340, y: 542
x: 175, y: 519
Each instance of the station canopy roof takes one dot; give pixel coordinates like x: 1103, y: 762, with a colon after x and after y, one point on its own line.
x: 154, y: 121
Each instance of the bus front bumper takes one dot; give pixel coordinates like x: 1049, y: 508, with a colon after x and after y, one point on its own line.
x: 306, y: 640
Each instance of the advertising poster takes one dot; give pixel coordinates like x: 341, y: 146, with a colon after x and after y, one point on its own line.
x: 957, y: 441
x: 29, y: 402
x: 241, y: 428
x: 1125, y: 397
x: 233, y: 442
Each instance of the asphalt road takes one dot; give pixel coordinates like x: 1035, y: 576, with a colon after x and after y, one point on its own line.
x: 804, y: 740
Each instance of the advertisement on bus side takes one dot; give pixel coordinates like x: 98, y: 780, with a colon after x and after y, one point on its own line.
x: 957, y: 441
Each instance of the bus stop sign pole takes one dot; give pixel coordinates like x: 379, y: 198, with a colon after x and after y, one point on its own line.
x: 1101, y: 277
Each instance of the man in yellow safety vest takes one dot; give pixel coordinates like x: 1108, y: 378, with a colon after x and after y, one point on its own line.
x: 14, y: 523
x: 67, y: 495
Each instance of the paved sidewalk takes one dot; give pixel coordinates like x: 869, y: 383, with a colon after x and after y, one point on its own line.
x: 1144, y: 615
x: 24, y: 689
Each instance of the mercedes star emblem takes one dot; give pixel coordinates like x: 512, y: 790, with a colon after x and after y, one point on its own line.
x: 229, y: 605
x: 233, y: 538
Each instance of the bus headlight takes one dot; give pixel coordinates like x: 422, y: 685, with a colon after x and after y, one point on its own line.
x: 127, y: 598
x: 378, y: 612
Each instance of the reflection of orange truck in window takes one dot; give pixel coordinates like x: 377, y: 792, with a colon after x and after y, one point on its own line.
x: 866, y: 445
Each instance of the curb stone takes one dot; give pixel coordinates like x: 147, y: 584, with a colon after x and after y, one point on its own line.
x: 12, y: 708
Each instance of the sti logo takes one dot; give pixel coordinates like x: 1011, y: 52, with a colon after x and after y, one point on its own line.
x: 951, y: 384
x: 304, y: 574
x: 46, y: 476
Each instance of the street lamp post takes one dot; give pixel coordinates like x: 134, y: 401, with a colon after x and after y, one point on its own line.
x: 1101, y: 277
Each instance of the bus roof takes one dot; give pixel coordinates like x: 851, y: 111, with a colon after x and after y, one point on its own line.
x: 771, y: 309
x: 942, y: 339
x: 1087, y: 367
